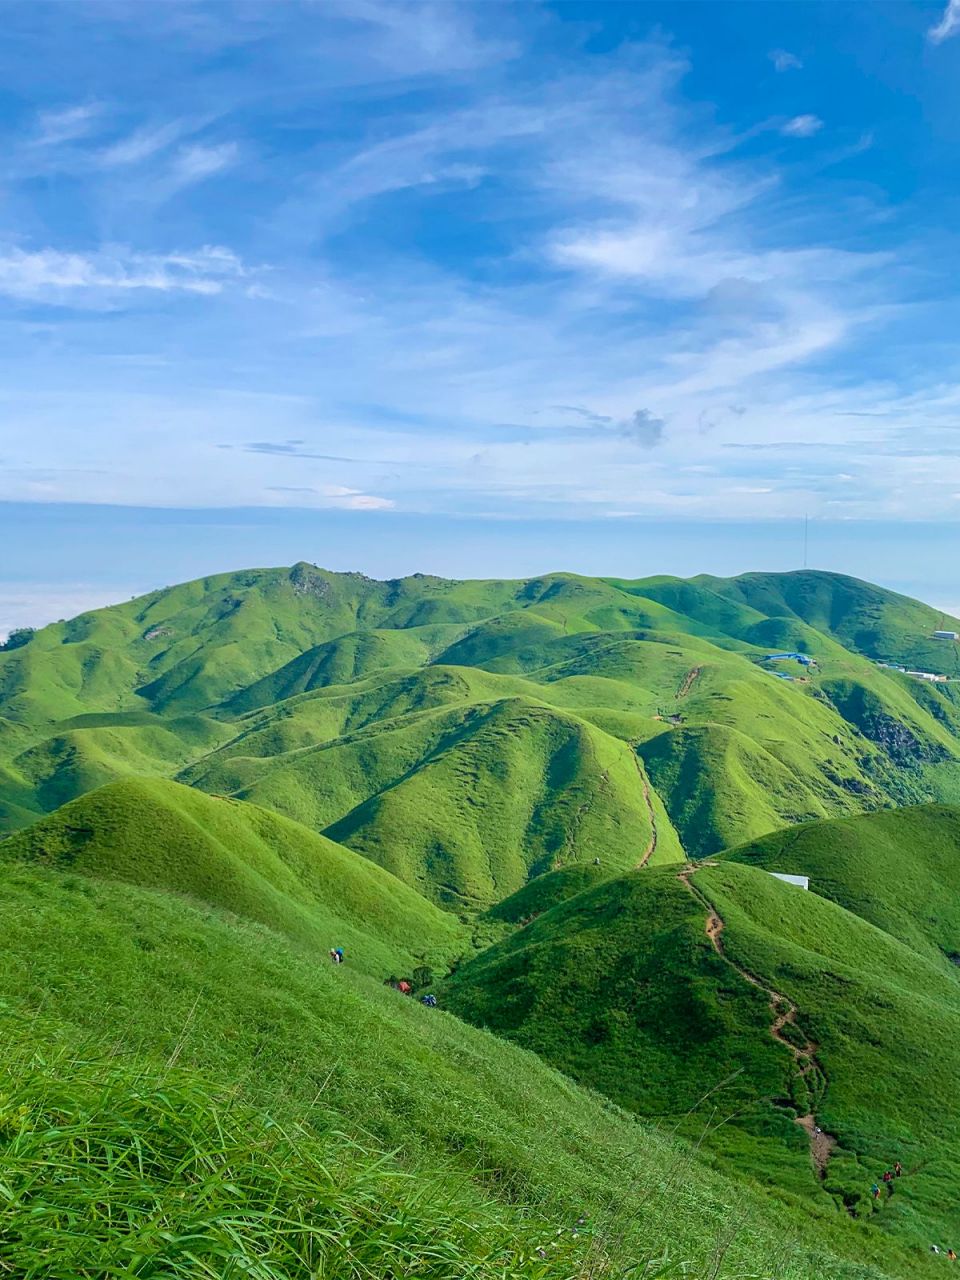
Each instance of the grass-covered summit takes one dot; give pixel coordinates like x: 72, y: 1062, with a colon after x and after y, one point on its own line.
x: 248, y: 861
x: 468, y: 735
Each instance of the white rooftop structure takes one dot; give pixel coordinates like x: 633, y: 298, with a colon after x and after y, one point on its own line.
x: 802, y: 881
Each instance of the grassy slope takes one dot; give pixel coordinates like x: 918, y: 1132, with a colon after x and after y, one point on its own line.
x: 899, y: 869
x: 318, y: 1046
x: 884, y: 1019
x: 248, y: 861
x: 862, y: 617
x: 339, y: 700
x: 463, y: 802
x: 113, y: 1166
x: 621, y: 987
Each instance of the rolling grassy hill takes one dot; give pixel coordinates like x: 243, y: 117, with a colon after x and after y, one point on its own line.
x: 229, y: 1032
x: 239, y: 858
x: 624, y: 987
x: 346, y: 703
x: 899, y: 869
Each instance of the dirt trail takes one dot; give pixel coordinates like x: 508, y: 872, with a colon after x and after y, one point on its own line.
x: 652, y: 842
x: 821, y: 1144
x: 784, y: 1015
x: 688, y: 681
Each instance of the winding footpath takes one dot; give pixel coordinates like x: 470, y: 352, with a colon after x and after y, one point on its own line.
x: 784, y: 1014
x: 652, y: 842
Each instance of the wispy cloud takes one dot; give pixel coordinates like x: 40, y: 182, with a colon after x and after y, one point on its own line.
x: 369, y: 502
x: 55, y: 276
x: 555, y: 286
x: 802, y: 126
x: 784, y: 61
x: 417, y: 38
x: 199, y: 161
x: 949, y: 24
x: 66, y: 124
x: 290, y: 449
x: 140, y: 145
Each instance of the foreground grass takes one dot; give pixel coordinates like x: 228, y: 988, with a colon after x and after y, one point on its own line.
x: 108, y: 1168
x: 316, y: 1047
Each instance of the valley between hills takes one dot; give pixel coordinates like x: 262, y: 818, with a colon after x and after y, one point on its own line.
x: 554, y: 805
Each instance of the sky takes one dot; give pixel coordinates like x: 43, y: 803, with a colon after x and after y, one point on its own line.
x: 476, y: 289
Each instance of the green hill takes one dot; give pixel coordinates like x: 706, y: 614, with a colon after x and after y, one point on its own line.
x: 210, y: 786
x: 252, y: 863
x: 629, y: 987
x: 899, y: 869
x: 307, y: 691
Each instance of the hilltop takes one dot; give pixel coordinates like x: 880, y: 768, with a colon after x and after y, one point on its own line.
x: 899, y: 869
x: 252, y: 863
x: 555, y: 720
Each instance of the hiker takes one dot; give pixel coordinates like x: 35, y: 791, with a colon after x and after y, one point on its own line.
x: 951, y: 1255
x: 333, y: 956
x: 898, y: 1169
x: 888, y: 1176
x: 875, y: 1191
x: 429, y: 1001
x: 934, y: 1248
x: 404, y: 987
x: 338, y: 952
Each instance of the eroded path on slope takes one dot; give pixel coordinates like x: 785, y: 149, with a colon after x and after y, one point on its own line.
x: 688, y: 681
x: 784, y: 1015
x: 652, y: 842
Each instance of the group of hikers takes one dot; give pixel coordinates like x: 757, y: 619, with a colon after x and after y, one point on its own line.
x: 405, y: 987
x: 888, y: 1179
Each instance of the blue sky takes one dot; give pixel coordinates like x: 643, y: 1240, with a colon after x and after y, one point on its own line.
x: 433, y: 283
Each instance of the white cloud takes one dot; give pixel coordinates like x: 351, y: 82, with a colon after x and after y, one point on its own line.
x: 948, y: 25
x: 355, y: 499
x: 802, y: 127
x: 784, y: 61
x: 197, y: 162
x: 410, y: 37
x: 66, y: 124
x: 140, y: 145
x: 53, y: 275
x: 634, y: 258
x: 38, y: 604
x: 368, y: 502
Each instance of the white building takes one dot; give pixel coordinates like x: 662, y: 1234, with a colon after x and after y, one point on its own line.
x: 802, y: 881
